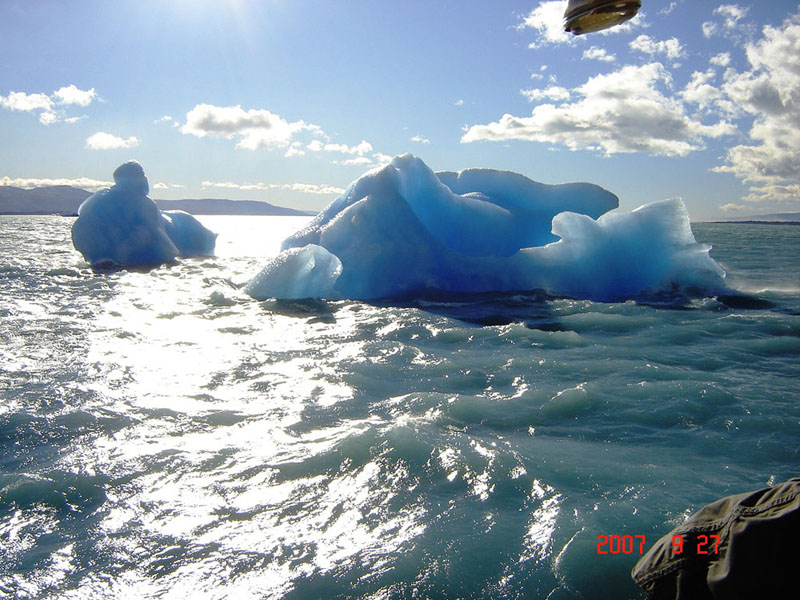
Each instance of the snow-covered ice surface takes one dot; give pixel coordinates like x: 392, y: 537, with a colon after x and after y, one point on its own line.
x: 121, y: 225
x: 404, y: 231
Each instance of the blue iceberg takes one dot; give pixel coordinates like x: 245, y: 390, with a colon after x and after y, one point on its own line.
x: 307, y: 272
x: 402, y: 231
x: 121, y: 225
x: 188, y: 234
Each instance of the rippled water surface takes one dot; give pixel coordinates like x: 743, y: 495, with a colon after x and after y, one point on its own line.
x: 163, y: 435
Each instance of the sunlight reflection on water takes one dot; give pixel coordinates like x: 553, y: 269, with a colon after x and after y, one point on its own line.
x: 219, y: 469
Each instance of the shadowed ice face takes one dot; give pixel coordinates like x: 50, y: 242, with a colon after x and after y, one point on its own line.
x: 130, y: 176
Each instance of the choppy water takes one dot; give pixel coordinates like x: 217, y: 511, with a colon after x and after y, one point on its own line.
x: 162, y: 435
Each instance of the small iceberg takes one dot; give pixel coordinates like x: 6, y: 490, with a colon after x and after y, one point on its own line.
x: 404, y: 231
x: 307, y: 272
x: 121, y: 225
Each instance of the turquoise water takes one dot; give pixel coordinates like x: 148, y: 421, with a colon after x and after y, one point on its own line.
x: 163, y: 435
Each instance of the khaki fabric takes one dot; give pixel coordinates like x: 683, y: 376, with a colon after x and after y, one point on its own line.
x: 758, y: 554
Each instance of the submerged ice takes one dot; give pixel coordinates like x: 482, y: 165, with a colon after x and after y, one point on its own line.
x: 122, y: 225
x: 403, y: 230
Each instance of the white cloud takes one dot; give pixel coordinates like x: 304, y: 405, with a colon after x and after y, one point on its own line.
x: 255, y: 128
x: 48, y: 118
x: 540, y: 74
x: 73, y: 120
x: 71, y: 94
x: 360, y: 149
x: 672, y: 48
x: 80, y: 182
x: 308, y: 188
x: 357, y: 161
x: 597, y: 53
x: 167, y: 186
x: 731, y: 13
x: 167, y: 119
x: 709, y: 29
x: 548, y: 20
x: 700, y: 90
x: 619, y: 112
x: 721, y: 60
x: 295, y: 149
x: 260, y: 128
x: 770, y: 92
x: 343, y: 148
x: 552, y: 92
x: 459, y: 102
x: 107, y: 141
x: 22, y: 101
x: 382, y: 159
x: 732, y: 206
x: 26, y: 102
x: 789, y: 193
x: 420, y: 140
x: 668, y: 9
x: 229, y: 185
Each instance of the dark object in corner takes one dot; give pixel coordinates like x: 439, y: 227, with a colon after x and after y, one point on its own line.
x: 741, y: 547
x: 587, y: 16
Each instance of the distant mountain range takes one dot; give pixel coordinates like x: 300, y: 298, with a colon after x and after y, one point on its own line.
x: 65, y: 200
x: 793, y: 217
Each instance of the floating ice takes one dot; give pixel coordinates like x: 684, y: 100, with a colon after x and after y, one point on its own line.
x: 307, y: 272
x: 403, y: 230
x: 188, y: 234
x: 122, y: 225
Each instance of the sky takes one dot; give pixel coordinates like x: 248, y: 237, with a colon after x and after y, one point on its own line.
x: 288, y: 101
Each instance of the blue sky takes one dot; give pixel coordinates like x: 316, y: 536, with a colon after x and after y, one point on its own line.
x: 289, y: 100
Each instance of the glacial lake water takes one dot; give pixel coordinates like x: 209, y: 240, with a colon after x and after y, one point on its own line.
x: 163, y: 435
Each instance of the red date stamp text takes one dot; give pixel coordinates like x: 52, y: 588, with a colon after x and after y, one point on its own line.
x: 634, y: 544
